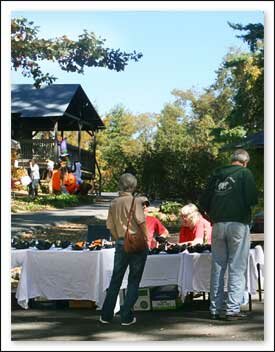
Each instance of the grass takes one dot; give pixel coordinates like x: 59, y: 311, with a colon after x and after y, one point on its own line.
x: 23, y: 202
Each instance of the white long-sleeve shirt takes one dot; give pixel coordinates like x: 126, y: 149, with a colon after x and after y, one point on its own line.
x: 35, y: 175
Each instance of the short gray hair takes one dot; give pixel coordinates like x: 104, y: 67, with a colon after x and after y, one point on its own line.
x: 127, y: 183
x: 240, y: 155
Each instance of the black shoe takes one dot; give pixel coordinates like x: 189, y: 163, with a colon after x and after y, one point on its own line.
x: 130, y: 322
x: 236, y: 316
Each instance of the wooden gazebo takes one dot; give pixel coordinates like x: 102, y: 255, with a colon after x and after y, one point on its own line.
x: 56, y: 108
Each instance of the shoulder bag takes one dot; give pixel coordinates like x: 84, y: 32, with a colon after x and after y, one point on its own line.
x: 136, y: 242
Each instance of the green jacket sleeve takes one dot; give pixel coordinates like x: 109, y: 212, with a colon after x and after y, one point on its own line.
x: 250, y: 189
x: 206, y: 197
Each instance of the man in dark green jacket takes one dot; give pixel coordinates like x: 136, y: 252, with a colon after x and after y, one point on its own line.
x: 229, y: 196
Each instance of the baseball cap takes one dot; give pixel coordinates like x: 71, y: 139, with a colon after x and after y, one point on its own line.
x: 145, y: 201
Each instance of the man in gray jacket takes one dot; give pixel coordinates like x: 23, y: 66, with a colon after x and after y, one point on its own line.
x: 229, y: 196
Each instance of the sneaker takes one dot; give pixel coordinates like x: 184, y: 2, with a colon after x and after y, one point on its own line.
x: 236, y: 316
x: 104, y: 321
x: 130, y: 323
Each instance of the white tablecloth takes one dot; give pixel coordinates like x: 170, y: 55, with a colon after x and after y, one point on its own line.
x: 160, y: 270
x: 85, y: 275
x: 17, y: 257
x: 60, y: 275
x: 195, y: 275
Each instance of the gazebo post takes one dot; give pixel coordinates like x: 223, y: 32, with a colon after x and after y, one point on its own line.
x: 79, y: 140
x: 55, y: 142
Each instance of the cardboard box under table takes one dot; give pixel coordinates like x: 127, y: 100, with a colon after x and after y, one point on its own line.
x: 143, y: 302
x: 165, y: 298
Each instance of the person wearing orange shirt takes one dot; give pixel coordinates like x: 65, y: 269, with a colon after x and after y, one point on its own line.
x: 195, y: 228
x: 56, y: 179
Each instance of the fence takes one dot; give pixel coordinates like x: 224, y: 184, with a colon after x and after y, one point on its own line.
x: 43, y: 149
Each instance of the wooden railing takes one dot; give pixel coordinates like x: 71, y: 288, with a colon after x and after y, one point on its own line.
x: 43, y: 149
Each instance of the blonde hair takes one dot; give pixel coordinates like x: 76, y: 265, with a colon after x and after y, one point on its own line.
x: 192, y: 212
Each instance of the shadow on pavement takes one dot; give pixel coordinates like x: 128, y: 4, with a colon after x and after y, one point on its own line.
x: 180, y: 325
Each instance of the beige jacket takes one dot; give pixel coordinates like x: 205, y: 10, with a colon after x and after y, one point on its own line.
x: 118, y: 215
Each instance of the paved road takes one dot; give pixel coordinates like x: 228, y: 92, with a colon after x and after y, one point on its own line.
x: 21, y: 222
x: 25, y: 221
x: 184, y: 326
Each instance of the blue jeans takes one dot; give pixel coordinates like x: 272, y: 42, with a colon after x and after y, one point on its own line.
x: 33, y: 188
x: 136, y: 264
x: 230, y: 249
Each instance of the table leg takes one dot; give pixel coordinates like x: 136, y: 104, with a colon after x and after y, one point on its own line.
x: 259, y: 282
x: 250, y: 302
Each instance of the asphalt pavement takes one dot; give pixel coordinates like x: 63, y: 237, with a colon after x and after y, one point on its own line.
x: 21, y: 222
x: 189, y: 324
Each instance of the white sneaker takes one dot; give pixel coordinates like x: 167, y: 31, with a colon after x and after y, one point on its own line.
x: 131, y: 322
x: 103, y: 321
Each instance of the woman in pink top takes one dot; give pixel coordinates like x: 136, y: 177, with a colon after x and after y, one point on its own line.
x: 195, y: 228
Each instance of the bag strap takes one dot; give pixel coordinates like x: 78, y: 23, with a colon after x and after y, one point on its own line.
x: 130, y: 214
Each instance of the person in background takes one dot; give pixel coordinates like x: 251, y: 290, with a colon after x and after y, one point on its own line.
x: 228, y: 198
x: 77, y: 172
x: 50, y: 166
x: 56, y: 179
x: 154, y: 226
x: 35, y: 177
x: 195, y: 228
x: 117, y: 220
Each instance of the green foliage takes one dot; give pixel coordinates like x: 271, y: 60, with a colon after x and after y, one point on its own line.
x: 50, y: 200
x: 254, y: 37
x: 72, y: 56
x: 242, y: 74
x: 170, y: 207
x: 173, y: 167
x: 59, y: 201
x: 121, y: 145
x: 174, y: 152
x: 230, y: 136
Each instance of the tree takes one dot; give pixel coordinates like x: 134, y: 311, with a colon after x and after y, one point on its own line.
x: 243, y: 73
x: 254, y: 37
x: 72, y: 56
x: 117, y: 146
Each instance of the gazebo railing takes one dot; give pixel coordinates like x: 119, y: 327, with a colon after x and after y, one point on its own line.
x: 43, y: 149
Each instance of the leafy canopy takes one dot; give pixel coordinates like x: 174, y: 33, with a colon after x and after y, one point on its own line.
x: 72, y: 56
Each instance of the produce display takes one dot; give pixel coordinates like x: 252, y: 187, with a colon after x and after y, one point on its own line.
x: 97, y: 244
x: 165, y: 246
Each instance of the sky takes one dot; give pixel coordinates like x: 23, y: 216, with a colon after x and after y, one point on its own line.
x: 181, y: 50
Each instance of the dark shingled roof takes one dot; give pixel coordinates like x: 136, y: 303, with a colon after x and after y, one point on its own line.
x: 54, y: 101
x: 255, y: 140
